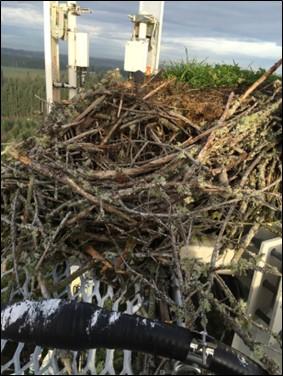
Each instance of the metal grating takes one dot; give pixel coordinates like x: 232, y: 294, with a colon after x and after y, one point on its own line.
x: 23, y: 359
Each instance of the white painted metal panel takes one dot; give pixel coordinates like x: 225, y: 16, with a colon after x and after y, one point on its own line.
x: 72, y: 73
x: 154, y: 8
x: 47, y: 54
x: 82, y: 50
x: 142, y: 30
x: 267, y: 301
x: 136, y: 56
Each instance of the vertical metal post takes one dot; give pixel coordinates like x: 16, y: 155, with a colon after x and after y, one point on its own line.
x: 51, y: 54
x: 55, y: 50
x: 156, y: 9
x: 72, y: 71
x: 47, y: 54
x: 157, y: 57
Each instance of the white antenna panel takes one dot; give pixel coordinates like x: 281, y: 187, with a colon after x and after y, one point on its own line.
x: 82, y: 50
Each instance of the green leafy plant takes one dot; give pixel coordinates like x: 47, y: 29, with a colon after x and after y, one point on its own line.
x: 200, y: 74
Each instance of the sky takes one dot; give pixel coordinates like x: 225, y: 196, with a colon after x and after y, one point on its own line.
x: 247, y: 32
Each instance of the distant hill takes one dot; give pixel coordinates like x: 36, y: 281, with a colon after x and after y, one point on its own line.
x: 35, y: 60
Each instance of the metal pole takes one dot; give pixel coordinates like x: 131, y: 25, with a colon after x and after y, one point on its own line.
x: 47, y: 54
x: 55, y: 51
x: 159, y: 37
x: 156, y: 9
x: 72, y: 71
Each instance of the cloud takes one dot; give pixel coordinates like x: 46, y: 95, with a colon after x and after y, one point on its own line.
x: 253, y: 19
x: 244, y: 31
x: 226, y: 47
x: 94, y: 31
x: 28, y: 17
x: 103, y: 31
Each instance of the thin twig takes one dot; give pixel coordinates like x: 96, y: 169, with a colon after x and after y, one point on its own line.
x: 13, y: 238
x: 52, y: 239
x: 154, y: 91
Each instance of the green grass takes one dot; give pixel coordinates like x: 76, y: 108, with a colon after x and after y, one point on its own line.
x: 204, y: 75
x: 22, y: 73
x: 18, y: 130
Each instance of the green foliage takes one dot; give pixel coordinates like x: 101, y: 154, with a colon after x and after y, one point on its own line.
x: 21, y: 108
x: 21, y: 111
x: 18, y: 95
x: 92, y: 79
x: 17, y: 129
x: 201, y: 74
x: 22, y: 73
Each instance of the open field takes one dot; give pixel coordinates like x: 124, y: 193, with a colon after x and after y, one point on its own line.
x: 22, y: 73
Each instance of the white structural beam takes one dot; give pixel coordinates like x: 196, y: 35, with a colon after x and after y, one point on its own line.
x: 142, y: 52
x: 51, y: 53
x: 60, y: 23
x: 55, y: 50
x: 48, y: 54
x: 156, y: 9
x: 72, y: 70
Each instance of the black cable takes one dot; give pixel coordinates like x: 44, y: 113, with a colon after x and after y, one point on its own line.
x: 227, y: 361
x: 72, y: 325
x: 80, y: 326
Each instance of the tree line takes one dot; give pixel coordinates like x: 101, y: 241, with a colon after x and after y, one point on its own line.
x: 22, y: 103
x: 19, y: 96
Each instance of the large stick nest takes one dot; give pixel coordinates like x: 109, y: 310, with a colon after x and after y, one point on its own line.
x: 128, y: 175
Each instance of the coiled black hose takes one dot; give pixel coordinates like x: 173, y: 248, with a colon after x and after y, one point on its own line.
x: 72, y: 325
x: 79, y: 326
x: 227, y: 361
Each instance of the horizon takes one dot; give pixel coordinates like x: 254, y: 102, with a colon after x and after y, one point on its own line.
x: 61, y: 54
x: 279, y: 70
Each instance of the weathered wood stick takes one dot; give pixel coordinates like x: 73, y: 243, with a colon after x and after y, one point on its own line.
x: 131, y: 172
x: 254, y: 86
x: 91, y: 107
x: 116, y: 126
x: 64, y: 179
x: 151, y: 93
x: 81, y: 135
x: 80, y: 118
x: 70, y: 125
x: 185, y: 119
x: 220, y: 124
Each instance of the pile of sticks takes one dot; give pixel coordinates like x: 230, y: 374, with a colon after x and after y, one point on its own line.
x: 124, y: 178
